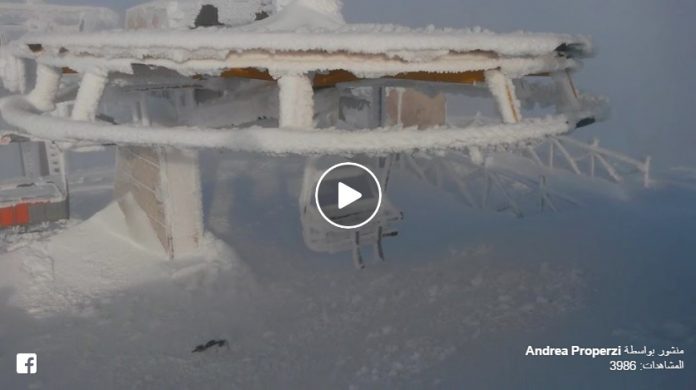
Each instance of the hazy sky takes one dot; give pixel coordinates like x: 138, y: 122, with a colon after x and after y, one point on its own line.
x: 644, y: 63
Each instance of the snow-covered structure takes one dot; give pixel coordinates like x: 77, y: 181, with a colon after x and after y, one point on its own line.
x: 325, y: 238
x: 38, y: 16
x: 38, y: 192
x: 173, y: 14
x: 314, y: 71
x: 303, y: 47
x: 17, y: 19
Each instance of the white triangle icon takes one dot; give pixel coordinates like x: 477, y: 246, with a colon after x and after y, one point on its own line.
x: 346, y: 195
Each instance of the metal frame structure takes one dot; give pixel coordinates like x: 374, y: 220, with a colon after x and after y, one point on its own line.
x: 40, y: 194
x: 593, y: 155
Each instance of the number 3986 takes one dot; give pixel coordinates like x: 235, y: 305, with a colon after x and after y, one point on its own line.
x: 622, y: 365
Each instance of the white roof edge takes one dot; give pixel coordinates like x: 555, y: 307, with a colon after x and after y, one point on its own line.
x: 347, y: 39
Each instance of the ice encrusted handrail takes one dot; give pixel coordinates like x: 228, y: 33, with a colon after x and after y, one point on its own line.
x: 19, y: 112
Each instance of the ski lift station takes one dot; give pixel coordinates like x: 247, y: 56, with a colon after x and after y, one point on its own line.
x: 284, y: 77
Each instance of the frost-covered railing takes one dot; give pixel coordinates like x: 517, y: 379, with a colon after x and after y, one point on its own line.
x: 487, y: 187
x: 295, y: 133
x: 20, y: 112
x: 593, y: 155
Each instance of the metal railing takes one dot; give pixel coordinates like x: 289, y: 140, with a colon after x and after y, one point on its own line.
x: 598, y: 158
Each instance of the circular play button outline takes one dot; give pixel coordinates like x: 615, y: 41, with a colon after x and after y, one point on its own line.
x: 379, y: 195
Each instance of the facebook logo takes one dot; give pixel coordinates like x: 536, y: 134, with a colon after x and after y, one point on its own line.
x: 26, y: 363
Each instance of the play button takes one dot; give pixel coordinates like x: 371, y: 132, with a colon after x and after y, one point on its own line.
x: 348, y: 195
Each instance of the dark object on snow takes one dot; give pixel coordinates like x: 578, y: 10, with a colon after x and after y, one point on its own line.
x: 207, y: 17
x: 210, y: 344
x: 106, y: 118
x: 261, y: 15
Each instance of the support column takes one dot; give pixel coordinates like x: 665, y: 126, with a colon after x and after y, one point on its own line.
x: 565, y: 85
x: 503, y: 91
x: 13, y: 74
x: 88, y: 97
x: 296, y: 99
x: 159, y: 192
x: 44, y: 93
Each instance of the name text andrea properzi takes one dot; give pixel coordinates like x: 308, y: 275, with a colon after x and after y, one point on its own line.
x: 630, y: 358
x: 574, y: 350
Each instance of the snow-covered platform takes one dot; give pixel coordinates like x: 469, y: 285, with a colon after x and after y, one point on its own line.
x: 295, y: 80
x: 302, y: 47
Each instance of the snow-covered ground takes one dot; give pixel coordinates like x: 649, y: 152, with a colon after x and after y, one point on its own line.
x: 460, y: 296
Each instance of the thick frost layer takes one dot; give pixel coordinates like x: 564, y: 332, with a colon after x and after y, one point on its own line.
x: 47, y: 83
x: 12, y: 72
x: 287, y: 36
x: 17, y: 19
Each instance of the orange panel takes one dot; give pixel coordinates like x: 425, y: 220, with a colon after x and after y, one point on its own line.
x: 249, y: 73
x: 334, y: 77
x: 471, y: 77
x: 341, y: 76
x: 22, y: 214
x: 7, y: 217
